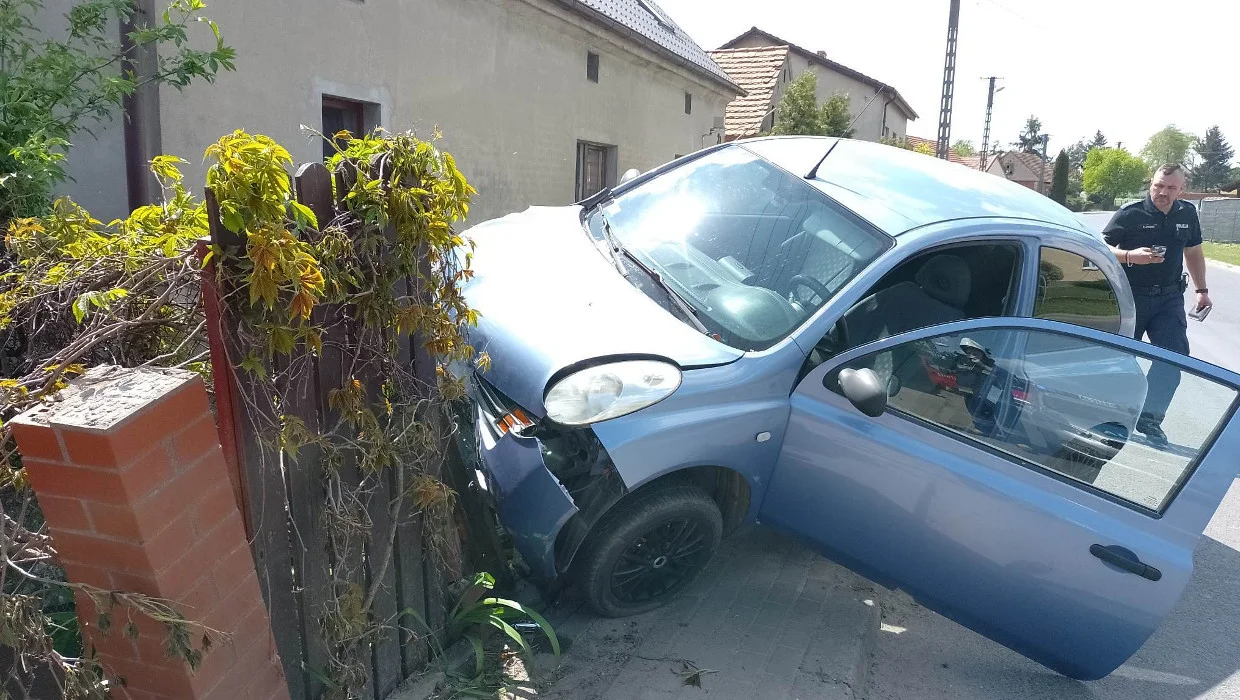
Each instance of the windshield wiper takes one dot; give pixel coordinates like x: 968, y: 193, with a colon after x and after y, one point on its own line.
x: 617, y: 249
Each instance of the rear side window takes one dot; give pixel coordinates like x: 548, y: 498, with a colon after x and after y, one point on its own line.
x: 1073, y: 290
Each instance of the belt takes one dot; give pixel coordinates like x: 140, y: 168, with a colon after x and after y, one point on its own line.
x: 1156, y: 290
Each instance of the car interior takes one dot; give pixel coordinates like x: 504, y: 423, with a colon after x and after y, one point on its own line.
x: 976, y: 280
x: 766, y: 273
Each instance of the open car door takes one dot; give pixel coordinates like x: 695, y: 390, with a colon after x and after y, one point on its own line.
x: 1002, y: 485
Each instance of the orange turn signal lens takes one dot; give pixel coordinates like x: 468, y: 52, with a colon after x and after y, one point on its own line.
x: 514, y: 421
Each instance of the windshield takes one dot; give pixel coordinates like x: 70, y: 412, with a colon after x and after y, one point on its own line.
x: 751, y: 248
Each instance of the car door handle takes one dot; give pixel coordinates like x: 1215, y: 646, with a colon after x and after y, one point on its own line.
x: 1126, y: 560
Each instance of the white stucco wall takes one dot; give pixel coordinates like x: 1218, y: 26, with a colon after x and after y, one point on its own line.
x: 97, y: 163
x: 504, y: 79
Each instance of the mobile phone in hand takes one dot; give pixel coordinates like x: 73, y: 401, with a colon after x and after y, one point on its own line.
x: 1159, y: 250
x: 1200, y: 314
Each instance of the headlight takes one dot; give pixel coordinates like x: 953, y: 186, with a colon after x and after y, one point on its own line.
x: 610, y: 391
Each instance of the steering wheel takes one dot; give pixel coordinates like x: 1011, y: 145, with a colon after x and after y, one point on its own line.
x: 811, y: 284
x: 840, y: 331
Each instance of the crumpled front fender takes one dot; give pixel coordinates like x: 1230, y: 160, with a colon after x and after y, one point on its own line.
x: 531, y: 503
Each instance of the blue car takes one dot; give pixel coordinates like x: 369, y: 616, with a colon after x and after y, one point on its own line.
x: 925, y: 372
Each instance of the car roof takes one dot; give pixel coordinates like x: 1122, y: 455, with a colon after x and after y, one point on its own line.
x: 899, y: 190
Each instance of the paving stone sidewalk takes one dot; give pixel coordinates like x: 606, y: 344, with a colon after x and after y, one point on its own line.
x: 768, y: 620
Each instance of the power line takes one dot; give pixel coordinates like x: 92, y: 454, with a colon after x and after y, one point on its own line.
x: 1014, y: 13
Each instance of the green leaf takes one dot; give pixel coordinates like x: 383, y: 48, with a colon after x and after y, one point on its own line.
x: 80, y: 306
x: 479, y: 654
x: 304, y: 215
x: 537, y: 618
x: 233, y: 221
x: 512, y: 634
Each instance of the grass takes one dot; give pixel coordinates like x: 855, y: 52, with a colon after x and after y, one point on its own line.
x: 1223, y: 252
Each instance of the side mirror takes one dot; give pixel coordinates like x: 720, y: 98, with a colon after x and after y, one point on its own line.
x: 629, y: 175
x: 865, y: 390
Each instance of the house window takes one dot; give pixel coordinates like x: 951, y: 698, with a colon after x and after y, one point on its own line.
x: 596, y: 168
x: 592, y: 66
x: 352, y: 116
x: 688, y: 103
x: 657, y: 14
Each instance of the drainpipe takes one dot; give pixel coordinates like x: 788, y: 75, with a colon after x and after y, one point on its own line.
x: 886, y: 104
x: 136, y: 181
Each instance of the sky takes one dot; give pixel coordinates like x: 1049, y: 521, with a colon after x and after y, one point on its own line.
x: 1127, y: 67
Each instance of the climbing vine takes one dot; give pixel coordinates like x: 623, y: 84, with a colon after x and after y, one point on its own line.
x: 386, y: 266
x: 77, y: 292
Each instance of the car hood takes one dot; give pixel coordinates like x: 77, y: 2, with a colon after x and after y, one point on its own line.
x: 548, y: 299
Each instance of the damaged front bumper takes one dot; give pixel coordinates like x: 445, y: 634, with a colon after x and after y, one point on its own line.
x: 546, y: 484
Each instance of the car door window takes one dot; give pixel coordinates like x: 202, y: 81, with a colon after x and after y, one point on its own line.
x: 948, y: 284
x: 1061, y: 404
x: 1073, y: 290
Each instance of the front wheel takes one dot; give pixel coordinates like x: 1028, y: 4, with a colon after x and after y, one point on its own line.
x: 647, y: 549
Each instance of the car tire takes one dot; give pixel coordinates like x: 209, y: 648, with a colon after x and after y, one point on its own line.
x: 647, y: 549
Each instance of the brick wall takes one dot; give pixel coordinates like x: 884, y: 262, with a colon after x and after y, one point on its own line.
x: 132, y: 481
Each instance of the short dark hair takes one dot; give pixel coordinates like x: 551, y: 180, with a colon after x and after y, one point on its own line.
x: 1171, y: 169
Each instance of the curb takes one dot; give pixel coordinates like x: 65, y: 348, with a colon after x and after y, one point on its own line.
x: 1224, y: 265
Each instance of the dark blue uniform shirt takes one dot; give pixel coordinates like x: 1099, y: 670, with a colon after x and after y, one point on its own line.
x: 1141, y: 224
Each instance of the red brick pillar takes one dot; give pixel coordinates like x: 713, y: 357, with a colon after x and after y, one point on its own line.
x: 129, y: 474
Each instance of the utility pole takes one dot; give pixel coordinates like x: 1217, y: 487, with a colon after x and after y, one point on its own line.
x: 990, y: 106
x: 1042, y: 171
x: 949, y: 82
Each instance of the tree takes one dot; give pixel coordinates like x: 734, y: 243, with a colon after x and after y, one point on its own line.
x: 1214, y: 169
x: 964, y: 148
x: 1169, y: 145
x: 836, y: 117
x: 798, y: 112
x: 1111, y: 172
x: 51, y: 89
x: 1099, y: 141
x: 1076, y: 154
x: 1059, y: 182
x: 1030, y: 140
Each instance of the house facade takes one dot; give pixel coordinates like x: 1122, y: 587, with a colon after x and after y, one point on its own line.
x: 1026, y: 169
x: 539, y: 101
x: 763, y: 64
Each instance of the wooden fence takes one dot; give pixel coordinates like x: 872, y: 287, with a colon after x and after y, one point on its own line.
x: 284, y: 501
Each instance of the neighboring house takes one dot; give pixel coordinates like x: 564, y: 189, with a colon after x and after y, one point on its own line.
x: 974, y: 162
x: 540, y: 101
x: 1026, y: 169
x: 763, y: 64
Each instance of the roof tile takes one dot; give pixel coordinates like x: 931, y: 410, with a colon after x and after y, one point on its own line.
x: 649, y: 20
x: 757, y: 71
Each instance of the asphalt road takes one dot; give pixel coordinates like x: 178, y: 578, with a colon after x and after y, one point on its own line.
x: 1217, y: 339
x: 1195, y: 654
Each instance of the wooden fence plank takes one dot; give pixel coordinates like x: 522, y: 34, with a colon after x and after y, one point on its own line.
x: 409, y: 557
x: 411, y: 592
x: 263, y: 485
x: 313, y: 186
x: 305, y: 474
x: 387, y: 662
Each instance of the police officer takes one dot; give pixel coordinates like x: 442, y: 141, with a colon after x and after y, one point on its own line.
x: 1137, y: 235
